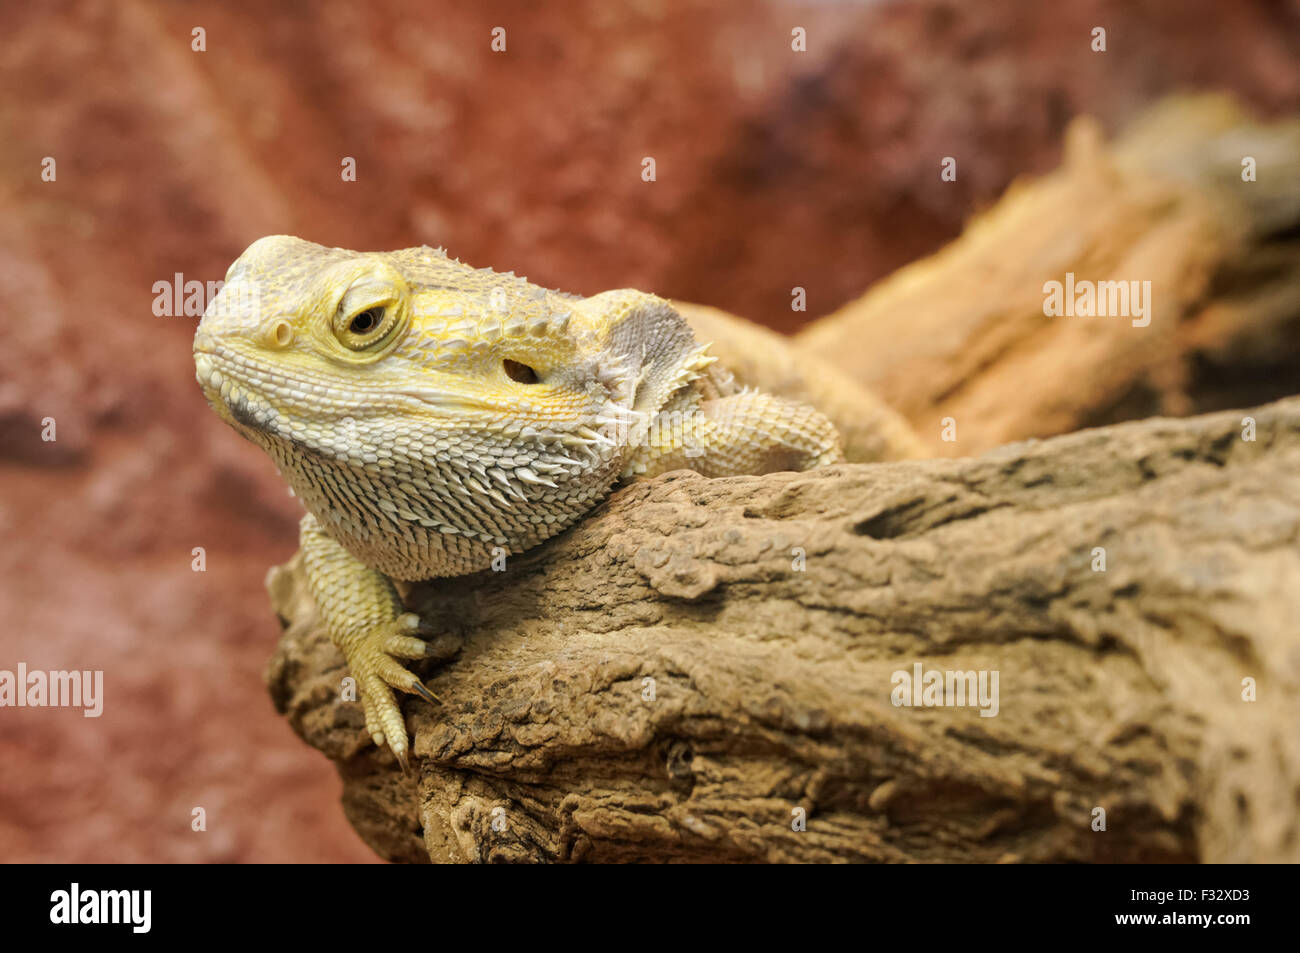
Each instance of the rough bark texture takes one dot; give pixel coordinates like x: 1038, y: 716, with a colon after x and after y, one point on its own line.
x: 769, y: 615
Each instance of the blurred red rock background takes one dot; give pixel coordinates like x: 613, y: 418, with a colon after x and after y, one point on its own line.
x: 775, y: 168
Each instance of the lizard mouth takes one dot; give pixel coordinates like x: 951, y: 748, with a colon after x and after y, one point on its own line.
x: 232, y: 402
x: 242, y: 413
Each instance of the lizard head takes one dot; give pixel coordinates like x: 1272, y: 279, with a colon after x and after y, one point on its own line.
x: 412, y: 364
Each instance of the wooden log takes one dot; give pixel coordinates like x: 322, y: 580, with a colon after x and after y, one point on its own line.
x: 960, y: 343
x: 704, y: 666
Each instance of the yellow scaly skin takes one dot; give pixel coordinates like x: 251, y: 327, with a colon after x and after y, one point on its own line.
x: 431, y: 415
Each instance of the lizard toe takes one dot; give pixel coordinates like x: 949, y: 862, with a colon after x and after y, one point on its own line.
x: 405, y: 646
x: 387, y: 716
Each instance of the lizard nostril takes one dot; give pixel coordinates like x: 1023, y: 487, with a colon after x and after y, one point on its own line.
x: 276, y: 333
x: 521, y: 373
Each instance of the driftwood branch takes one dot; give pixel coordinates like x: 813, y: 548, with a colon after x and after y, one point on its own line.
x: 963, y: 334
x: 700, y: 663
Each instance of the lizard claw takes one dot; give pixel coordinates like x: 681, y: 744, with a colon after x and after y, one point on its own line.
x: 373, y: 658
x: 427, y: 695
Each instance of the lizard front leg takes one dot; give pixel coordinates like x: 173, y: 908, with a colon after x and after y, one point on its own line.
x: 746, y: 433
x: 366, y: 620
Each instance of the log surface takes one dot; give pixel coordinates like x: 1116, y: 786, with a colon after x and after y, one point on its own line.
x: 701, y: 662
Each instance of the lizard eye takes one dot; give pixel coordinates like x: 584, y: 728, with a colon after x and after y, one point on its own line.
x: 369, y: 328
x: 520, y: 373
x: 373, y: 310
x: 366, y: 321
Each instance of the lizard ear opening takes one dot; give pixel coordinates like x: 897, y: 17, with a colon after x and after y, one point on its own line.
x: 644, y: 337
x: 520, y: 373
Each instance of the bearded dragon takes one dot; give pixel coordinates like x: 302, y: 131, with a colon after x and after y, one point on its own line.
x: 432, y: 416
